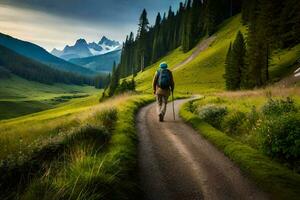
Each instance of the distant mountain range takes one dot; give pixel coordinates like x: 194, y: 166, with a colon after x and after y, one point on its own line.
x: 39, y: 54
x: 14, y: 63
x: 82, y: 49
x: 101, y: 63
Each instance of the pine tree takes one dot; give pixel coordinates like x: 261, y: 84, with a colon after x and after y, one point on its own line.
x: 142, y: 38
x: 114, y: 82
x: 236, y: 72
x: 289, y: 23
x: 186, y: 32
x: 228, y: 64
x: 157, y: 40
x: 238, y: 61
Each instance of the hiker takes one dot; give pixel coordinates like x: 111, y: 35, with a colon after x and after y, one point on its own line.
x: 163, y: 85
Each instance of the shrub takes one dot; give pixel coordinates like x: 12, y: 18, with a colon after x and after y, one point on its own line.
x: 125, y: 86
x: 252, y: 118
x: 213, y: 114
x: 278, y: 107
x: 107, y: 117
x: 281, y: 137
x: 233, y: 123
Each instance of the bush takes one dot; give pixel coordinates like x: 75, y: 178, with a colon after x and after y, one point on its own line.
x: 125, y: 86
x: 233, y: 123
x: 281, y: 137
x: 212, y: 114
x: 107, y: 117
x: 278, y: 107
x: 252, y: 118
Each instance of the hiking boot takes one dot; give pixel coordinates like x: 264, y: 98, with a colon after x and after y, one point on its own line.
x: 161, y: 118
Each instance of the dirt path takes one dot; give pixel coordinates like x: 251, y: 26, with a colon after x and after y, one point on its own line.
x: 176, y: 163
x: 201, y: 47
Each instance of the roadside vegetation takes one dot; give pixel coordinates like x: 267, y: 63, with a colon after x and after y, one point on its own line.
x: 258, y: 130
x: 87, y: 154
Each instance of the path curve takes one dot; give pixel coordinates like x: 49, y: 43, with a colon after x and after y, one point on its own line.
x: 176, y: 163
x: 203, y: 45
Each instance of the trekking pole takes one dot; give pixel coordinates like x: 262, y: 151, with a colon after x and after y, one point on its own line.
x: 173, y: 105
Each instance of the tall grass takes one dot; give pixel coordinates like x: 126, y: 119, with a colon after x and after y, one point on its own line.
x: 272, y: 177
x: 95, y: 159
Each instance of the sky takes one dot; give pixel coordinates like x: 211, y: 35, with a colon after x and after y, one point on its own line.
x: 56, y: 23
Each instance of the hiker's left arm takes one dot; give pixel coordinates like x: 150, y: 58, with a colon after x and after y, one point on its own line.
x: 172, y: 81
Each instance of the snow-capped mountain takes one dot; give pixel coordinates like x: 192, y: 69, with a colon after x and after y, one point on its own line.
x: 82, y: 49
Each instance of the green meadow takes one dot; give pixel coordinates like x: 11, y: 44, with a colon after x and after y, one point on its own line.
x: 70, y: 146
x: 20, y: 97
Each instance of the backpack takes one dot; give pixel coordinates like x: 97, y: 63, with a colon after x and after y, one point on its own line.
x: 164, y: 79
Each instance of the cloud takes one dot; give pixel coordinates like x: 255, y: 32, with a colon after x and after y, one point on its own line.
x: 55, y: 23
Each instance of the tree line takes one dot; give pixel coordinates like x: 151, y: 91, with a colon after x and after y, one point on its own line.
x: 271, y: 25
x: 29, y: 69
x: 193, y: 20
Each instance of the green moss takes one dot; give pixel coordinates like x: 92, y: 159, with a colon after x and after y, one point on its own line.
x: 278, y: 181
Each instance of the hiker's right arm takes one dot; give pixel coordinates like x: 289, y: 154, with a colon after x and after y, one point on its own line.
x: 154, y: 83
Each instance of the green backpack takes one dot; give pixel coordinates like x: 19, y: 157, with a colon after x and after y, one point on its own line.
x: 164, y: 78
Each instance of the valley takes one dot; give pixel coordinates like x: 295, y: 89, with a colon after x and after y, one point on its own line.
x: 81, y: 122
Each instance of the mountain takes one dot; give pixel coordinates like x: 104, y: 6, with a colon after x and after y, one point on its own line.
x: 39, y: 54
x: 101, y: 63
x: 33, y: 70
x: 82, y: 49
x: 110, y: 43
x: 79, y: 50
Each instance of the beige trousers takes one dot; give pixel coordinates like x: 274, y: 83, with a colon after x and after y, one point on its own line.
x: 162, y: 102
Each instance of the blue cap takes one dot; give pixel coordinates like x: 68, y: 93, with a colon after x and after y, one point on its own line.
x: 163, y: 65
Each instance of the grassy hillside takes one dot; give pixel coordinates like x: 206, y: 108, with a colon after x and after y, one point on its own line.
x: 33, y: 70
x: 82, y: 149
x: 37, y: 53
x: 284, y: 62
x: 19, y: 96
x: 205, y: 73
x: 101, y: 63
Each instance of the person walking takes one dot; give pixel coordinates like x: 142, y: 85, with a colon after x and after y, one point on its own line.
x: 163, y: 85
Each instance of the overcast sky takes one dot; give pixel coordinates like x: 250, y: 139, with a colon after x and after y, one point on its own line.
x: 55, y: 23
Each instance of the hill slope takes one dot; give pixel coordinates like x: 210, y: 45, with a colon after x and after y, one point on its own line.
x: 205, y: 72
x: 37, y: 53
x: 19, y: 96
x: 101, y: 63
x: 36, y: 71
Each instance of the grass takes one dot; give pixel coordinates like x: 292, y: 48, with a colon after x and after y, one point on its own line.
x: 205, y: 73
x: 144, y: 79
x: 24, y: 133
x: 273, y: 178
x: 283, y: 62
x: 108, y: 169
x: 20, y: 97
x: 87, y: 169
x: 245, y: 100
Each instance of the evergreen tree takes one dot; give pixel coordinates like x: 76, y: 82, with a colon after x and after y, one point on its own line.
x: 289, y: 23
x: 156, y: 52
x: 228, y: 73
x: 238, y: 62
x: 142, y: 38
x: 236, y: 72
x: 186, y: 28
x: 114, y: 82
